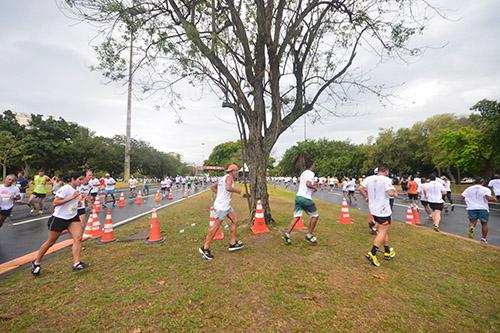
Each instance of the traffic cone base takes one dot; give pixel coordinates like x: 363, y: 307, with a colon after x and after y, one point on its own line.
x: 121, y: 201
x: 89, y: 227
x: 259, y: 223
x: 138, y: 199
x: 416, y: 215
x: 345, y: 218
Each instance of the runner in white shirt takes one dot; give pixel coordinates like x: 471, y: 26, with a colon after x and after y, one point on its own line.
x: 109, y: 189
x: 224, y: 189
x: 132, y: 185
x: 331, y: 183
x: 8, y: 194
x: 434, y: 191
x: 351, y: 190
x: 494, y: 184
x: 476, y: 198
x: 303, y: 202
x: 344, y: 187
x: 65, y: 217
x: 423, y: 198
x: 84, y: 188
x: 95, y: 185
x: 447, y: 187
x: 377, y: 190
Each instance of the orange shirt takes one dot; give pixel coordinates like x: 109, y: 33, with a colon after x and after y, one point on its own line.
x: 412, y: 187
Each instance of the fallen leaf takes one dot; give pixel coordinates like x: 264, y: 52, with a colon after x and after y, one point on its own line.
x: 136, y: 330
x: 77, y: 289
x: 161, y: 283
x: 378, y: 277
x: 311, y: 298
x: 189, y: 302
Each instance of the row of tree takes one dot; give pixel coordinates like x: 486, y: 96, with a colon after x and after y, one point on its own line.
x: 445, y: 143
x: 59, y: 147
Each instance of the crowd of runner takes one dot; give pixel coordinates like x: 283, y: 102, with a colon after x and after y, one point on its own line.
x: 75, y: 194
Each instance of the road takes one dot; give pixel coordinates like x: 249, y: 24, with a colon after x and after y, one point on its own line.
x: 23, y: 233
x: 455, y: 222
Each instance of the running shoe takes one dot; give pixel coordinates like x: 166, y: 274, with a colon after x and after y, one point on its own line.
x: 79, y: 266
x: 436, y: 227
x: 287, y: 239
x: 40, y: 212
x: 373, y: 259
x: 371, y: 225
x: 32, y: 211
x: 471, y: 232
x: 484, y: 241
x: 389, y: 255
x: 312, y: 239
x: 452, y: 207
x: 35, y: 269
x: 205, y: 253
x: 238, y: 245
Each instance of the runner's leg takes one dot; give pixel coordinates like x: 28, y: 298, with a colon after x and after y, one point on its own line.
x: 51, y: 239
x: 75, y: 229
x: 234, y: 227
x: 211, y: 233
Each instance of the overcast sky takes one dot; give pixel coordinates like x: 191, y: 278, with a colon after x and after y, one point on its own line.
x: 45, y: 59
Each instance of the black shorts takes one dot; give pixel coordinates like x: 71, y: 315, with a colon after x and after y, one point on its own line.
x: 57, y: 224
x: 93, y: 195
x: 424, y: 203
x: 6, y: 212
x: 412, y: 196
x: 436, y: 206
x: 80, y: 211
x: 39, y: 195
x: 351, y: 192
x: 382, y: 220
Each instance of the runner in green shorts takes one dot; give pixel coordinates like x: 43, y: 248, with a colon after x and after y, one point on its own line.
x: 303, y: 202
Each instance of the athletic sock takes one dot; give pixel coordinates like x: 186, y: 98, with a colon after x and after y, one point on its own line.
x: 374, y: 250
x: 387, y: 249
x: 309, y: 235
x: 287, y: 235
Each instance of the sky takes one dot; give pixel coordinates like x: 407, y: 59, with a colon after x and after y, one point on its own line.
x: 45, y: 58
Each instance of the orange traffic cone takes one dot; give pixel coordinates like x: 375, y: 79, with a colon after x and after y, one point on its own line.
x: 299, y: 225
x: 154, y: 232
x: 89, y: 227
x: 170, y: 194
x: 97, y: 228
x: 185, y: 195
x: 259, y: 224
x: 416, y: 215
x: 108, y: 235
x: 345, y: 218
x: 97, y: 204
x: 409, y: 216
x: 158, y: 196
x: 219, y: 234
x: 138, y: 200
x: 121, y: 201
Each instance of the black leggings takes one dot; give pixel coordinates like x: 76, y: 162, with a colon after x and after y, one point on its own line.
x: 448, y: 196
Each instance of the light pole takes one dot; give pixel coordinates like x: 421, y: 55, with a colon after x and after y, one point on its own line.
x: 202, y: 153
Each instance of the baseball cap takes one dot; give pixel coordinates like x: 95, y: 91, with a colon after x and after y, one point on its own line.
x: 232, y: 167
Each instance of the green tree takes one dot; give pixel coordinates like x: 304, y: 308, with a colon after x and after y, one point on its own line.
x: 273, y: 61
x: 8, y: 150
x: 225, y: 153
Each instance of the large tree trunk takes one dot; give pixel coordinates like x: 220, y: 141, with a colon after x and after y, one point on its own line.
x: 256, y: 155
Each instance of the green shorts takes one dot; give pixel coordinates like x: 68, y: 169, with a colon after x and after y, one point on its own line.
x: 306, y: 205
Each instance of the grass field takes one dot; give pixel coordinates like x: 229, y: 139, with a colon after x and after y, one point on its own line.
x: 435, y: 284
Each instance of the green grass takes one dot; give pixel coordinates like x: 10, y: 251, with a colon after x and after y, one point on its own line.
x: 435, y: 284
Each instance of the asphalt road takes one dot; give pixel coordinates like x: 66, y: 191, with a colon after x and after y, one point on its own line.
x: 24, y: 233
x: 455, y: 222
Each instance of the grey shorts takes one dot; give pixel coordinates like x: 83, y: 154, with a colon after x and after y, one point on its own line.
x: 222, y: 214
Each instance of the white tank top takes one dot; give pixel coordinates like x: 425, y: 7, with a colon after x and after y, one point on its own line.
x: 223, y: 199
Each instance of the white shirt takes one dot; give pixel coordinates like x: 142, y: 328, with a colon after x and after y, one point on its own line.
x: 495, y: 184
x: 132, y: 182
x: 223, y: 199
x: 84, y: 190
x: 418, y: 181
x: 447, y: 186
x: 305, y: 191
x: 421, y: 192
x: 69, y: 209
x: 95, y: 185
x: 6, y: 196
x: 344, y: 185
x: 434, y: 190
x: 110, y: 183
x: 475, y: 197
x: 378, y: 199
x: 351, y: 186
